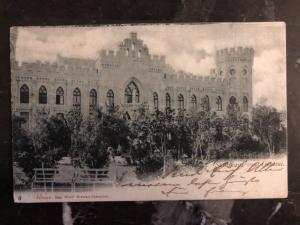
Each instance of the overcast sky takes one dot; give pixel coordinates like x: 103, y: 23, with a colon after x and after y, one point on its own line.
x: 187, y: 47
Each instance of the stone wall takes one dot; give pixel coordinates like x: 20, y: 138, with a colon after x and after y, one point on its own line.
x: 132, y: 62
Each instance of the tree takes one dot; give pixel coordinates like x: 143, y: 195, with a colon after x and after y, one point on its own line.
x: 200, y: 126
x: 33, y: 152
x: 141, y: 135
x: 115, y: 129
x: 151, y: 139
x: 267, y: 126
x: 74, y: 122
x: 92, y: 148
x: 164, y: 131
x: 58, y: 134
x: 98, y: 133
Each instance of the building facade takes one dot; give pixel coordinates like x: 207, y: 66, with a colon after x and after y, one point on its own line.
x: 129, y: 77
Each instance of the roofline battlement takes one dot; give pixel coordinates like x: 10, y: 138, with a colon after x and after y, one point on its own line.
x: 47, y: 67
x: 235, y: 52
x: 117, y: 55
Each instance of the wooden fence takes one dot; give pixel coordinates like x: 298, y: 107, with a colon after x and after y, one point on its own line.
x: 50, y: 179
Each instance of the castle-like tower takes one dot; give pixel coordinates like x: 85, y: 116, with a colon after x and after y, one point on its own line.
x: 129, y: 77
x: 235, y: 66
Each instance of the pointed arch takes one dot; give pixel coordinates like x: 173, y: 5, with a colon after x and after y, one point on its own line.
x: 42, y: 95
x: 219, y: 103
x: 232, y: 100
x: 168, y: 101
x: 205, y: 103
x: 110, y: 98
x: 132, y: 93
x: 155, y: 101
x: 180, y: 100
x: 59, y: 96
x: 93, y: 100
x: 77, y: 98
x: 24, y: 94
x: 194, y: 102
x: 233, y: 105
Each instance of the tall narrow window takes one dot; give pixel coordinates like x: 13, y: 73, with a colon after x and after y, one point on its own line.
x: 24, y: 94
x: 180, y: 100
x: 245, y: 104
x: 93, y: 100
x: 127, y: 52
x: 155, y: 101
x: 128, y: 95
x: 205, y: 103
x: 132, y: 94
x: 194, y: 102
x: 233, y: 104
x: 168, y: 101
x: 42, y: 95
x: 110, y: 98
x: 219, y: 103
x: 59, y: 96
x: 76, y: 98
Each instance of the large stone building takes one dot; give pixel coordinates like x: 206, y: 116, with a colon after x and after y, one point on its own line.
x: 128, y: 77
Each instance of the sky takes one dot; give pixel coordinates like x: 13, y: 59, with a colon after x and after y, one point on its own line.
x: 190, y: 48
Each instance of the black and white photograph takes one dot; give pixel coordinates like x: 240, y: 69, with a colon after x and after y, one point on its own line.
x: 149, y: 112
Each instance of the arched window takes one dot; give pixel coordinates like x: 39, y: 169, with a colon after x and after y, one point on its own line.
x: 93, y: 100
x: 233, y: 103
x: 168, y: 101
x: 205, y: 103
x: 180, y: 100
x: 132, y: 94
x: 110, y: 98
x: 76, y: 98
x: 24, y: 94
x: 155, y: 101
x: 245, y: 104
x: 42, y: 95
x: 219, y: 103
x: 194, y: 102
x: 139, y: 53
x: 59, y: 96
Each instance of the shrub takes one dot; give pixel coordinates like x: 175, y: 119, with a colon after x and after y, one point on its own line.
x: 245, y: 142
x: 42, y: 146
x: 150, y: 164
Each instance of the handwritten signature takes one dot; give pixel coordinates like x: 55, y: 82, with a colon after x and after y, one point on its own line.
x: 214, y: 177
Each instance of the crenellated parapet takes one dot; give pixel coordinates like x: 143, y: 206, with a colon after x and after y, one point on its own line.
x: 58, y: 68
x: 231, y: 55
x: 182, y: 77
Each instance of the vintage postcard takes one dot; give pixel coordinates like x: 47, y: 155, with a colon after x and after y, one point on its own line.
x: 149, y: 112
